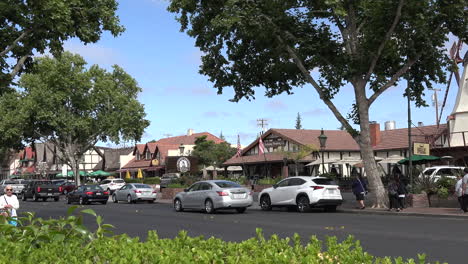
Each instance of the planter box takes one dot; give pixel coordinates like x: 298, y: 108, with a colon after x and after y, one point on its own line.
x: 417, y: 200
x: 169, y: 193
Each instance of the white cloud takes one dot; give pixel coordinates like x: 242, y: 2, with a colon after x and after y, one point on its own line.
x: 94, y: 53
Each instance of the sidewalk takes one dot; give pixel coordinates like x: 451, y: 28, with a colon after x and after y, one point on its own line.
x: 348, y: 207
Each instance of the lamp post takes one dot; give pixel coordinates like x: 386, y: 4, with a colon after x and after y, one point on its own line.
x: 323, y: 141
x: 181, y: 149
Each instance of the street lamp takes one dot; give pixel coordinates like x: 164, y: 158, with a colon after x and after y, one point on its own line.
x: 323, y: 141
x: 181, y: 149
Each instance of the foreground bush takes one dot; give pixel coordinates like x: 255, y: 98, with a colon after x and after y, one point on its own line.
x: 66, y: 240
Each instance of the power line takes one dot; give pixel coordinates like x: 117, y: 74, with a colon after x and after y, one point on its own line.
x: 263, y: 123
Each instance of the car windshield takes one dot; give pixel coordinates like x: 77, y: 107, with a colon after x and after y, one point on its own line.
x: 92, y: 187
x: 324, y: 181
x: 428, y: 172
x: 142, y: 186
x: 227, y: 184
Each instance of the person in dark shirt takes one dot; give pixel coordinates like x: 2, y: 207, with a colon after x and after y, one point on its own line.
x: 359, y: 190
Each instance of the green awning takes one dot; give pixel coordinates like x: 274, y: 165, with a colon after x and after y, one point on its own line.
x: 71, y: 174
x: 100, y: 173
x: 418, y: 159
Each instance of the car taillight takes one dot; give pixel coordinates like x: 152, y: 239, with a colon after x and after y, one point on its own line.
x: 38, y: 189
x: 106, y: 193
x: 317, y: 187
x: 154, y: 191
x: 136, y: 191
x: 222, y: 193
x: 89, y: 193
x: 60, y: 189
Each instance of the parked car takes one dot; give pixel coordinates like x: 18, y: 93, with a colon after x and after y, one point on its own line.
x: 437, y: 172
x: 86, y: 194
x: 68, y: 187
x: 302, y: 192
x: 133, y: 192
x: 168, y: 178
x: 214, y: 195
x: 112, y: 184
x: 41, y: 189
x: 17, y: 185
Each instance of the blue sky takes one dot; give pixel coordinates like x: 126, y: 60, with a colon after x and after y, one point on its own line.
x: 165, y: 63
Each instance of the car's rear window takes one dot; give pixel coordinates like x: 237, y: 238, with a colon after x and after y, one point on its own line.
x: 119, y: 181
x: 142, y: 186
x: 93, y: 187
x: 44, y: 182
x: 429, y: 172
x: 227, y: 184
x: 324, y: 181
x: 11, y: 182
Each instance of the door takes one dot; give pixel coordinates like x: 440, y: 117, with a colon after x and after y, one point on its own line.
x: 202, y: 194
x: 292, y: 190
x: 278, y: 194
x: 74, y: 196
x: 190, y: 197
x: 122, y: 193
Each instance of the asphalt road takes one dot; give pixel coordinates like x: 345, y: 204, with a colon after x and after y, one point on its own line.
x: 443, y: 239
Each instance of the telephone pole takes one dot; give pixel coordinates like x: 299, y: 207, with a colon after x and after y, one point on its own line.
x: 263, y: 123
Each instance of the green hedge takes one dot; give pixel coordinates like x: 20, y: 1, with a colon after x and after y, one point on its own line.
x: 66, y: 240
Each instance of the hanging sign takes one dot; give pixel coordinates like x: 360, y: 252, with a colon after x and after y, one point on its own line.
x: 421, y: 149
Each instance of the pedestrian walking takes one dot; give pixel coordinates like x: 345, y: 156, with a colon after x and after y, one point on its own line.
x: 401, y: 190
x: 392, y: 189
x: 465, y: 190
x: 9, y: 203
x: 359, y: 190
x: 459, y: 191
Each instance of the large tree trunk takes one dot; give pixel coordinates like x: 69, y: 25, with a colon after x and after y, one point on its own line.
x: 376, y: 188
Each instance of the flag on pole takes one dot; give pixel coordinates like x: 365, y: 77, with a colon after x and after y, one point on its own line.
x: 261, y: 147
x: 238, y: 154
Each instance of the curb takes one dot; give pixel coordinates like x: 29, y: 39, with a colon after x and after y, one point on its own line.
x: 379, y: 212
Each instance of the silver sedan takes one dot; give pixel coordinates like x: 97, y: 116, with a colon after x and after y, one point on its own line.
x: 214, y: 195
x: 133, y: 192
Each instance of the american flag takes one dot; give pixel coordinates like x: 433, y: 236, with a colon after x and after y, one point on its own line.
x: 261, y: 147
x: 238, y: 154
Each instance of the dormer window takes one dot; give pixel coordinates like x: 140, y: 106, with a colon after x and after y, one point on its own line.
x: 147, y: 155
x: 138, y: 156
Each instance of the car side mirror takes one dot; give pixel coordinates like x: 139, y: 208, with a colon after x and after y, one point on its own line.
x: 275, y: 186
x: 186, y: 190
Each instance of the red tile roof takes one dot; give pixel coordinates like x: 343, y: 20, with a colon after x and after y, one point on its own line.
x: 257, y: 159
x: 398, y: 138
x: 189, y: 140
x: 163, y: 149
x: 140, y: 148
x: 137, y: 164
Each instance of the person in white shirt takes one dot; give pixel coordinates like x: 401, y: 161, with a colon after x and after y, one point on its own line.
x: 465, y: 190
x: 9, y: 202
x: 458, y: 191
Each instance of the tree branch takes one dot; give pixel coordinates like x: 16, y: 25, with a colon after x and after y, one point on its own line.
x: 15, y: 42
x: 18, y: 66
x: 394, y: 78
x: 385, y: 40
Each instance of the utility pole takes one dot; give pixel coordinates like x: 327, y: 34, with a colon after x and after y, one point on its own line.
x: 435, y: 102
x: 263, y: 123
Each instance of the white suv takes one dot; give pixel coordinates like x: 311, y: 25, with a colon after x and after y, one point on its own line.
x: 437, y: 172
x: 112, y: 184
x: 303, y: 192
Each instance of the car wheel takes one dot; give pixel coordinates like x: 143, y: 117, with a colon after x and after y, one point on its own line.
x: 68, y: 200
x: 209, y: 207
x: 151, y: 201
x: 241, y: 210
x: 81, y: 201
x: 129, y: 199
x: 330, y: 208
x: 23, y: 197
x: 265, y: 203
x: 105, y: 202
x: 178, y: 205
x: 35, y: 198
x: 114, y: 199
x: 303, y: 204
x: 44, y: 199
x: 56, y: 199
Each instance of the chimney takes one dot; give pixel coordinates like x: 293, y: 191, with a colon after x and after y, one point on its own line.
x: 420, y: 124
x: 374, y: 128
x: 189, y: 132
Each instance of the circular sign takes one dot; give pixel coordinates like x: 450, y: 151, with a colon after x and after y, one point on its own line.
x: 183, y: 164
x: 155, y: 162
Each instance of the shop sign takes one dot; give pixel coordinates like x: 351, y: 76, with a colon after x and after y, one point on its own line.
x: 183, y: 164
x: 274, y: 142
x: 421, y: 149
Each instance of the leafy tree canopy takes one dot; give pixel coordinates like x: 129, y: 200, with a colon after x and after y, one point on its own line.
x: 63, y: 102
x: 209, y: 153
x: 28, y: 26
